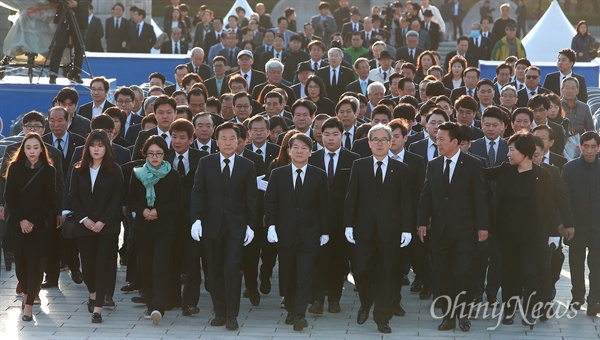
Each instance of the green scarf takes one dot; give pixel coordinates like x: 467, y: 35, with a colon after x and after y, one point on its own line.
x: 149, y: 176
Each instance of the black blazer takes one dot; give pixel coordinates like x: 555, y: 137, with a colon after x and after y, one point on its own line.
x: 85, y: 110
x: 291, y: 96
x: 447, y: 81
x: 257, y: 78
x: 345, y: 77
x: 115, y: 37
x: 402, y: 54
x: 266, y: 56
x: 167, y: 47
x: 272, y: 153
x: 471, y: 60
x: 79, y: 125
x: 420, y: 148
x: 460, y: 91
x: 523, y: 97
x: 103, y: 203
x: 142, y: 43
x: 347, y: 29
x: 389, y: 211
x: 416, y: 166
x: 564, y: 214
x: 204, y: 71
x: 464, y: 208
x: 558, y: 132
x: 93, y: 35
x: 211, y: 87
x: 218, y: 205
x: 135, y: 127
x: 213, y: 145
x: 140, y: 140
x: 557, y: 160
x: 187, y: 181
x: 355, y: 86
x: 302, y: 221
x: 361, y: 147
x: 552, y: 83
x: 481, y: 52
x: 74, y: 141
x: 479, y: 148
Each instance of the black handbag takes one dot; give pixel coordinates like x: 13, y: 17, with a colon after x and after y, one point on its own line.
x: 68, y: 227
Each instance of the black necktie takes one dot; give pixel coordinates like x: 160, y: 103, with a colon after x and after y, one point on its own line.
x: 447, y: 174
x: 435, y: 152
x: 411, y: 55
x: 330, y: 168
x: 59, y: 147
x: 164, y: 136
x: 197, y: 70
x: 520, y: 86
x: 316, y: 66
x: 246, y: 76
x: 298, y: 186
x: 333, y: 79
x: 180, y: 166
x: 138, y: 29
x: 176, y: 51
x: 277, y: 55
x: 368, y: 37
x: 492, y: 154
x: 204, y: 148
x: 470, y: 93
x: 379, y: 175
x: 226, y: 171
x: 476, y: 42
x: 532, y: 93
x: 117, y: 23
x: 230, y: 57
x: 384, y: 76
x: 260, y: 153
x: 348, y: 142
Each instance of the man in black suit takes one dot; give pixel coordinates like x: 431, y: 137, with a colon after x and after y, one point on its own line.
x: 479, y: 47
x: 316, y: 49
x: 362, y: 69
x: 548, y: 157
x: 68, y: 98
x: 378, y: 216
x: 332, y: 260
x: 197, y: 65
x: 259, y: 132
x: 539, y: 105
x: 297, y: 211
x: 354, y: 25
x: 411, y: 51
x: 124, y: 98
x: 433, y: 28
x: 253, y: 77
x: 565, y: 62
x: 99, y: 88
x: 165, y: 111
x: 141, y: 34
x: 204, y: 127
x: 174, y: 45
x: 185, y: 160
x: 345, y: 111
x: 491, y: 146
x: 427, y: 147
x: 180, y: 71
x: 503, y: 75
x: 462, y: 47
x: 224, y: 210
x: 217, y: 85
x: 532, y: 82
x: 454, y: 183
x: 230, y: 52
x: 335, y: 76
x: 471, y: 78
x: 94, y: 33
x: 278, y: 52
x: 117, y: 30
x: 466, y: 109
x: 274, y: 72
x: 302, y: 73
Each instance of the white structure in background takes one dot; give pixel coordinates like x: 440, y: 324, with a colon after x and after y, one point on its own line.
x: 244, y: 4
x: 552, y: 33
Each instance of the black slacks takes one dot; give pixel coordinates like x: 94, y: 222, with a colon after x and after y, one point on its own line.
x: 97, y: 259
x: 195, y: 261
x: 577, y: 264
x: 62, y: 40
x: 487, y: 265
x: 30, y: 270
x: 331, y: 268
x: 296, y: 266
x: 250, y: 258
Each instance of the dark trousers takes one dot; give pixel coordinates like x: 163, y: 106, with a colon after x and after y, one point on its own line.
x: 296, y: 265
x: 250, y: 257
x: 52, y: 266
x: 487, y: 265
x: 268, y: 258
x: 521, y: 263
x: 457, y: 25
x: 577, y: 264
x: 30, y: 270
x: 133, y: 273
x: 177, y: 262
x: 154, y: 250
x: 97, y: 257
x: 62, y: 40
x: 194, y: 252
x: 374, y: 268
x: 331, y: 268
x: 453, y: 256
x: 422, y: 264
x: 224, y: 258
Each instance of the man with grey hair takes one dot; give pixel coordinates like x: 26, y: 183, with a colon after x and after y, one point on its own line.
x: 480, y: 47
x: 174, y: 45
x: 379, y: 221
x: 411, y: 51
x: 274, y: 72
x: 508, y: 98
x: 138, y: 101
x: 335, y: 76
x: 375, y: 93
x: 197, y: 65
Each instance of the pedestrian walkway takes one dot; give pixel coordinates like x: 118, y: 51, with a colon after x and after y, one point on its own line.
x: 63, y: 315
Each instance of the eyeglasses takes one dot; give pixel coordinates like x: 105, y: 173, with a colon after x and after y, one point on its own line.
x: 313, y: 87
x: 124, y: 102
x: 155, y: 155
x: 239, y: 107
x: 33, y: 127
x: 532, y: 77
x: 380, y: 141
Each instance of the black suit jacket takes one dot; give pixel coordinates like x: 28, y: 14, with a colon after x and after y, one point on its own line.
x: 115, y: 37
x: 132, y: 133
x: 464, y: 208
x: 389, y: 211
x: 272, y: 152
x: 361, y: 147
x: 211, y: 87
x: 481, y: 52
x: 457, y: 92
x: 187, y: 181
x: 303, y: 220
x: 257, y: 78
x: 552, y: 83
x: 558, y: 132
x: 564, y: 214
x: 557, y: 160
x: 435, y: 34
x: 266, y: 56
x: 402, y: 54
x: 323, y: 63
x: 479, y: 148
x: 355, y: 86
x: 142, y: 43
x: 167, y: 47
x: 213, y: 145
x: 93, y: 35
x: 79, y: 125
x: 471, y: 60
x: 85, y: 110
x: 291, y: 96
x: 420, y: 148
x: 218, y: 205
x: 75, y: 140
x: 345, y: 77
x: 523, y: 97
x: 204, y: 71
x: 139, y: 142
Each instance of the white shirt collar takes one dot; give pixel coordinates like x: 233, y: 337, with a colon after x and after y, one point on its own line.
x: 400, y: 155
x: 496, y: 141
x: 186, y: 154
x: 294, y: 168
x: 336, y: 152
x: 231, y: 160
x: 453, y: 158
x: 547, y: 157
x: 99, y: 106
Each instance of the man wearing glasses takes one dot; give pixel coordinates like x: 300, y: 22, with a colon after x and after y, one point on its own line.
x: 165, y: 111
x: 99, y: 89
x: 532, y: 86
x: 124, y: 98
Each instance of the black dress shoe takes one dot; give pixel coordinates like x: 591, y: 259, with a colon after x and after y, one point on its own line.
x: 254, y: 297
x: 363, y: 315
x: 232, y: 324
x: 130, y: 287
x: 52, y: 80
x: 384, y: 328
x: 528, y: 320
x: 140, y: 299
x: 316, y: 308
x: 464, y: 324
x: 546, y: 313
x: 218, y: 321
x: 109, y: 302
x: 399, y: 311
x: 300, y: 323
x: 49, y: 284
x: 265, y: 285
x: 415, y: 287
x: 447, y: 324
x: 76, y: 276
x: 334, y: 307
x: 90, y: 305
x: 27, y: 317
x: 189, y: 310
x: 508, y: 319
x: 290, y: 318
x: 576, y: 305
x: 425, y: 294
x: 593, y: 309
x: 96, y: 318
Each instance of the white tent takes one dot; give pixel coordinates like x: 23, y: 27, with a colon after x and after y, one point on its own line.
x: 244, y: 4
x: 552, y: 33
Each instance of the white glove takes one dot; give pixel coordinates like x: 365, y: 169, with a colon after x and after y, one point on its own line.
x: 249, y: 235
x: 405, y: 240
x: 272, y: 235
x: 196, y: 230
x: 553, y: 240
x: 350, y: 235
x: 261, y: 184
x: 324, y: 239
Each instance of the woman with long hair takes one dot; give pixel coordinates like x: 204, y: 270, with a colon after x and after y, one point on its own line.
x: 283, y: 158
x: 277, y: 125
x: 30, y: 196
x: 425, y: 60
x: 315, y: 91
x: 557, y: 114
x: 583, y: 43
x: 454, y: 75
x: 96, y: 200
x: 155, y: 191
x: 176, y: 20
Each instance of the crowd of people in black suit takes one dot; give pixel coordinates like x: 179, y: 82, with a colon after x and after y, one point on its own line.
x: 334, y: 168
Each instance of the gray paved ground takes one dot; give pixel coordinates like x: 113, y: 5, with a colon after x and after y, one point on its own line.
x: 63, y: 315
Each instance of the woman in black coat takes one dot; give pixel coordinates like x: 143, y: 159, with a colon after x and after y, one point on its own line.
x: 30, y: 196
x: 315, y: 91
x: 155, y: 191
x: 95, y: 196
x: 523, y: 222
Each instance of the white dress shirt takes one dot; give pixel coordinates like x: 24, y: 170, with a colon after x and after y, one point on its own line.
x: 93, y: 176
x: 97, y: 110
x: 399, y: 156
x: 295, y: 174
x: 431, y: 147
x: 231, y: 161
x: 454, y: 160
x: 185, y: 160
x: 336, y: 158
x: 160, y: 133
x: 383, y: 167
